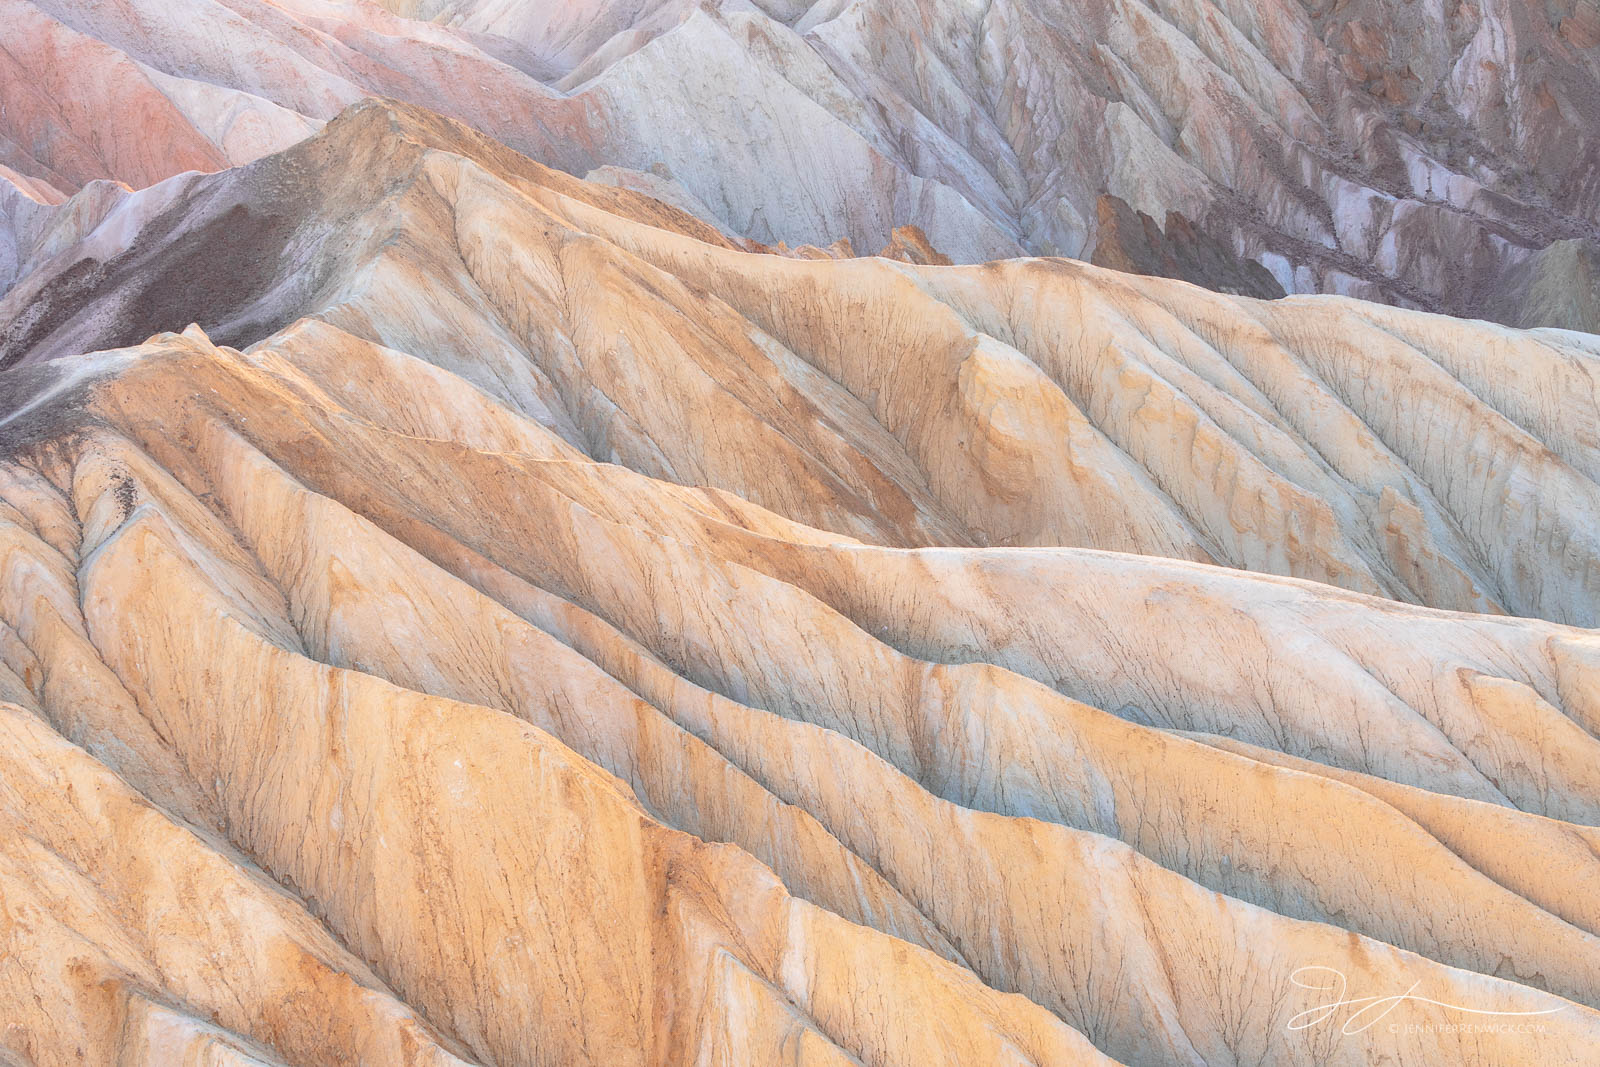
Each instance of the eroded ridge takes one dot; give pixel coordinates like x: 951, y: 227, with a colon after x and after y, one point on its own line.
x: 552, y: 633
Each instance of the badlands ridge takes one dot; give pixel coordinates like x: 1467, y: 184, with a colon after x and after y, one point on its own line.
x: 1435, y: 154
x: 452, y: 612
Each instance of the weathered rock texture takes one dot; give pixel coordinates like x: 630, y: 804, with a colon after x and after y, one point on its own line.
x: 1025, y: 403
x: 1133, y: 242
x: 1408, y: 151
x: 1560, y: 284
x: 494, y: 618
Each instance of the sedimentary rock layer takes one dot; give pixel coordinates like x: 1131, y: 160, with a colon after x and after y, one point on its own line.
x: 452, y: 612
x: 1412, y: 153
x: 1037, y: 402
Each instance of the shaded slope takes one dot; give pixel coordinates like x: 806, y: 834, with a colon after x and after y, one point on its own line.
x: 1402, y: 152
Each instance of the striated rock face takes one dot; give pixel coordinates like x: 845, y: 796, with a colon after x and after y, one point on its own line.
x: 455, y: 612
x: 1411, y: 153
x: 1024, y: 403
x: 1134, y: 242
x: 1560, y: 284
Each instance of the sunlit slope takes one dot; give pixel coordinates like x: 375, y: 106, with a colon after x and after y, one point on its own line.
x: 515, y: 625
x: 1034, y: 402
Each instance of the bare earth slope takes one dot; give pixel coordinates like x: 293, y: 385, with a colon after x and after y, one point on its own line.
x: 1033, y: 402
x: 1413, y: 153
x: 458, y: 613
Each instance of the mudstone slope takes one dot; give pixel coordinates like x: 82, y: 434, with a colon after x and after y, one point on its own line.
x: 454, y: 612
x: 1425, y: 154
